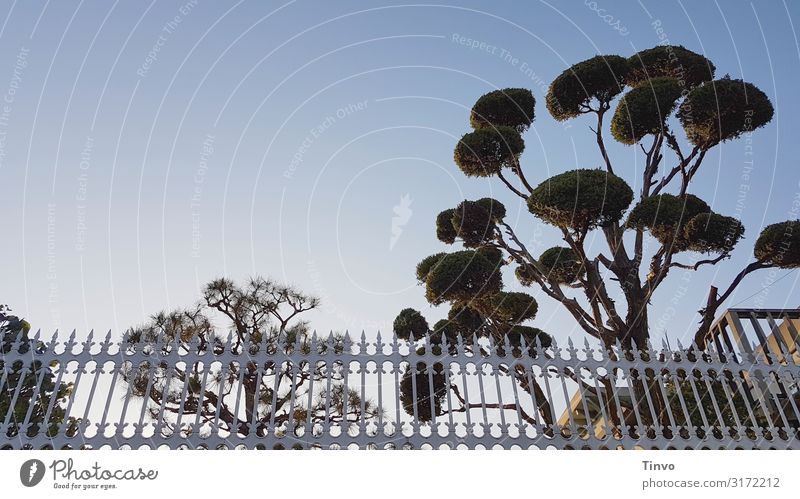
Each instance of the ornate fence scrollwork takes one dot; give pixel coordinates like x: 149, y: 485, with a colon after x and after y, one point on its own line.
x: 336, y: 392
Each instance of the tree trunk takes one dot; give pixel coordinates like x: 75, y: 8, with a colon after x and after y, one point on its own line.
x: 636, y: 338
x: 708, y: 318
x: 543, y: 405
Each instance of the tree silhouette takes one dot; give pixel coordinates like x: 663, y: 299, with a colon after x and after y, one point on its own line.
x: 31, y: 391
x: 246, y: 396
x: 653, y: 90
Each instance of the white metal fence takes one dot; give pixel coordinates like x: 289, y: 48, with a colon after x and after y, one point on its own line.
x: 335, y: 392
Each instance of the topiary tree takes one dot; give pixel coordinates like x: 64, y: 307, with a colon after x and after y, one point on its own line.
x: 470, y: 281
x: 37, y: 396
x: 260, y: 313
x: 652, y: 85
x: 672, y: 61
x: 512, y: 107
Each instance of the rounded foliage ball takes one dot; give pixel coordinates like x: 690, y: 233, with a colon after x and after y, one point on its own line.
x: 581, y: 199
x: 512, y: 307
x: 601, y: 77
x: 723, y: 110
x: 530, y: 334
x: 496, y: 209
x: 494, y: 255
x: 415, y: 391
x: 444, y: 328
x: 473, y: 224
x: 779, y: 245
x: 486, y: 151
x: 462, y: 276
x: 562, y: 264
x: 645, y: 109
x: 427, y: 263
x: 445, y: 231
x: 666, y: 215
x: 712, y: 233
x: 466, y: 319
x: 672, y: 61
x: 524, y: 276
x: 451, y: 331
x: 410, y: 322
x: 512, y: 107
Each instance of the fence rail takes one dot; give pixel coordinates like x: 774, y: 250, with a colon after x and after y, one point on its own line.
x: 336, y: 392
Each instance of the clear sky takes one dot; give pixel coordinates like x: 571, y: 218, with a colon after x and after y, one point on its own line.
x: 146, y: 148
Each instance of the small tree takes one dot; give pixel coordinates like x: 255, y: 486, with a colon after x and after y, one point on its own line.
x: 260, y: 314
x: 32, y: 388
x: 652, y: 85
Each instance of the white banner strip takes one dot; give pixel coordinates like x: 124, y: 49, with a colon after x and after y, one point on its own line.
x: 483, y: 474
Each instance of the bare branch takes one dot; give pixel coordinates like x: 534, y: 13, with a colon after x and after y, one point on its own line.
x: 598, y: 132
x: 715, y: 301
x: 700, y: 263
x: 521, y: 255
x: 511, y: 187
x: 680, y: 167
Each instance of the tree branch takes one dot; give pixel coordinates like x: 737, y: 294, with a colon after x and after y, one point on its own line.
x: 596, y: 290
x: 710, y: 311
x: 511, y: 187
x: 680, y: 167
x: 551, y: 289
x: 518, y: 170
x: 700, y: 263
x: 604, y: 106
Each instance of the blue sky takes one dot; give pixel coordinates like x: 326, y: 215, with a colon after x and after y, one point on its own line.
x: 149, y: 147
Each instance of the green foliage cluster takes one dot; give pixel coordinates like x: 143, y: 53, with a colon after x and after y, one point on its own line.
x: 666, y: 215
x: 511, y: 307
x: 424, y: 267
x: 464, y: 319
x: 602, y: 77
x: 486, y: 151
x: 427, y: 404
x: 461, y: 276
x: 473, y: 224
x: 445, y: 231
x: 530, y: 335
x: 686, y: 223
x: 723, y: 110
x: 730, y: 401
x: 472, y: 221
x: 496, y: 209
x: 644, y: 109
x: 779, y: 245
x: 23, y: 378
x: 410, y: 322
x: 712, y: 233
x: 671, y: 61
x: 524, y: 275
x: 562, y: 264
x: 511, y: 107
x: 581, y: 199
